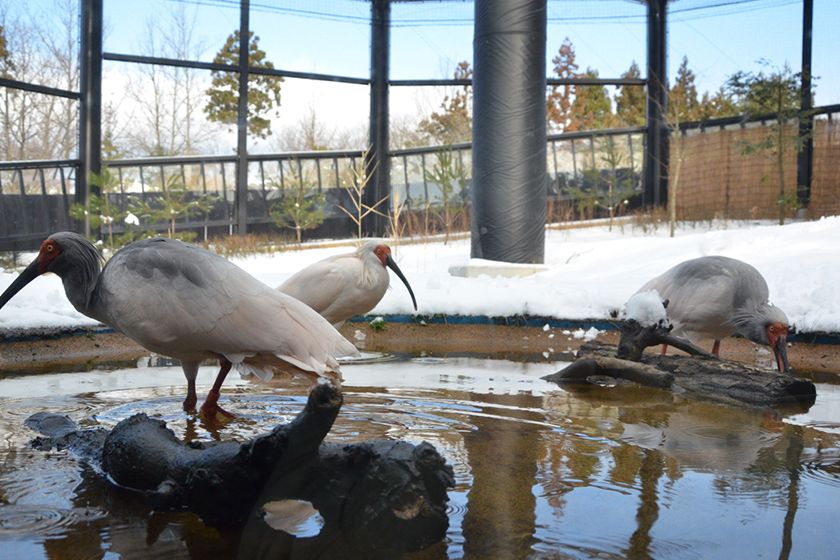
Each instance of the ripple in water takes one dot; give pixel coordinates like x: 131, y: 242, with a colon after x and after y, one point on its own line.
x: 428, y: 360
x: 49, y: 481
x: 256, y: 414
x: 42, y: 520
x: 368, y: 358
x: 827, y: 474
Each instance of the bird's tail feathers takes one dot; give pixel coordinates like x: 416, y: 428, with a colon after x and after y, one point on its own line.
x: 267, y: 366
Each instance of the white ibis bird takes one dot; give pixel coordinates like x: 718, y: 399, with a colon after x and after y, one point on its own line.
x: 182, y: 301
x: 342, y: 286
x: 719, y: 296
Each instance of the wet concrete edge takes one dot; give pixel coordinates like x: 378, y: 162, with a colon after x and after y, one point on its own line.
x: 57, y: 349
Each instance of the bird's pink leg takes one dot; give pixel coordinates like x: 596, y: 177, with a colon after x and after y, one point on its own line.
x: 716, y: 348
x: 664, y: 349
x: 211, y: 408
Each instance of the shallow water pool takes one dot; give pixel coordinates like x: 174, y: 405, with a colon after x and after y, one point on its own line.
x: 541, y: 472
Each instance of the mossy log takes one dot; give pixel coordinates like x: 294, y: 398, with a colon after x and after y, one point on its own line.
x: 375, y: 496
x: 699, y: 373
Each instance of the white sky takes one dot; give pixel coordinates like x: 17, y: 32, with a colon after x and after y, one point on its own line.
x: 717, y: 42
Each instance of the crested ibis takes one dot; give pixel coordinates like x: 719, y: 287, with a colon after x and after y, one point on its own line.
x: 345, y: 285
x: 184, y: 302
x: 717, y: 297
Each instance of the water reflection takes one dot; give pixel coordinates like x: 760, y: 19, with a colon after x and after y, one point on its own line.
x: 612, y: 472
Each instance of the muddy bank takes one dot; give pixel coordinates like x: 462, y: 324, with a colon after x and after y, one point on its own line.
x: 33, y: 352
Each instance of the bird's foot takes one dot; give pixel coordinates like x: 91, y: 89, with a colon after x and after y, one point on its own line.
x: 211, y: 411
x: 189, y: 403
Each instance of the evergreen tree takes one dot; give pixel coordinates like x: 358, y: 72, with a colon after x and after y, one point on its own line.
x: 630, y: 103
x: 300, y: 208
x: 454, y: 123
x: 99, y: 210
x: 559, y: 102
x: 682, y: 98
x: 718, y: 104
x: 263, y: 91
x: 174, y: 201
x: 6, y: 64
x: 591, y: 108
x: 773, y: 91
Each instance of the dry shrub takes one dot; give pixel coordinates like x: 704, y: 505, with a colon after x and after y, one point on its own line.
x: 650, y: 220
x: 423, y: 221
x: 249, y: 244
x: 559, y: 211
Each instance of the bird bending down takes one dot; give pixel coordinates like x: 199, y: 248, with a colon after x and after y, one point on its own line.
x: 717, y: 297
x: 184, y: 302
x: 342, y: 286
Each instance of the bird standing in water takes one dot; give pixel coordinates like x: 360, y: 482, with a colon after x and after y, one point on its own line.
x: 184, y: 302
x: 342, y: 286
x: 717, y: 297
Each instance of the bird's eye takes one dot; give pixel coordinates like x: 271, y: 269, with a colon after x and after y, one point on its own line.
x: 50, y: 248
x: 772, y: 328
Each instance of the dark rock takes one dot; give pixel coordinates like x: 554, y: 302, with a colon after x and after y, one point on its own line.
x: 376, y: 498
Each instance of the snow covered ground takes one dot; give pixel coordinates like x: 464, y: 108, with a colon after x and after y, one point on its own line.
x: 590, y: 272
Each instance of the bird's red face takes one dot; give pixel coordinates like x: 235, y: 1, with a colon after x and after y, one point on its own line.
x: 382, y: 252
x: 777, y: 337
x: 47, y: 254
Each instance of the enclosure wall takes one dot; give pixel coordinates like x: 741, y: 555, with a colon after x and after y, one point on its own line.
x: 718, y: 180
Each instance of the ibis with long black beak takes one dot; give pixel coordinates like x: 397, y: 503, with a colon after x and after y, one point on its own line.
x: 182, y: 301
x: 342, y: 286
x: 716, y: 297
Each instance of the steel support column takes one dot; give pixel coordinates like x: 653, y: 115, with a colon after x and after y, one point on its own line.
x: 241, y: 197
x: 805, y: 159
x: 90, y: 101
x: 509, y: 177
x: 656, y: 142
x: 377, y: 164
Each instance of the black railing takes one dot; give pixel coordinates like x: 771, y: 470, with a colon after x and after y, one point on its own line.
x: 35, y: 198
x: 29, y: 212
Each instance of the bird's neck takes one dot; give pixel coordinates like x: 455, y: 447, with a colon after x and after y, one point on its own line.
x: 371, y: 271
x: 80, y: 285
x: 749, y: 322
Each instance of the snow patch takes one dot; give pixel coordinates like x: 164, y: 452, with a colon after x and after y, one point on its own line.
x: 590, y: 334
x: 800, y: 261
x: 646, y: 308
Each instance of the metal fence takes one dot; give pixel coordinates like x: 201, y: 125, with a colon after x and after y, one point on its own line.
x: 36, y: 196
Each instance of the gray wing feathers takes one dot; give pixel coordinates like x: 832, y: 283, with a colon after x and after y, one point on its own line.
x: 182, y: 301
x: 704, y: 292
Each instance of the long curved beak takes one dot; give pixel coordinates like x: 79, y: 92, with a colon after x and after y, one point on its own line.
x: 780, y: 350
x: 29, y: 274
x: 393, y: 266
